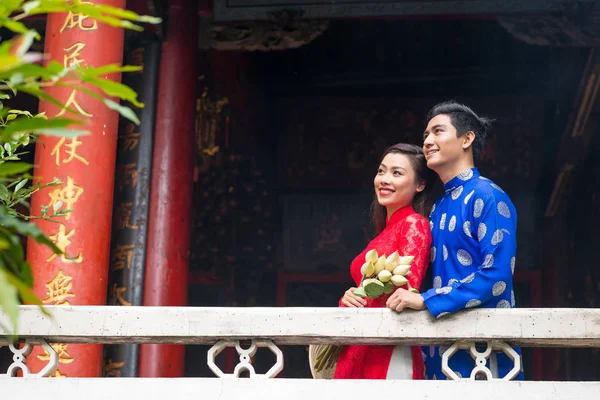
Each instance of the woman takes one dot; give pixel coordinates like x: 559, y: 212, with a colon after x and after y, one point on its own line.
x: 401, y: 201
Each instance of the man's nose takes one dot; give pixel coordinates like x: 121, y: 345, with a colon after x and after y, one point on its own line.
x: 428, y: 142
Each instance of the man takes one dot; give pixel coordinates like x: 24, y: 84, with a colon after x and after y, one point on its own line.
x: 474, y: 228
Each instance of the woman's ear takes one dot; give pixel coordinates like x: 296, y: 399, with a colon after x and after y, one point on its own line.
x: 421, y: 186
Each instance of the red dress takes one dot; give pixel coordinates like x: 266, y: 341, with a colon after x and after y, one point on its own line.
x: 410, y: 234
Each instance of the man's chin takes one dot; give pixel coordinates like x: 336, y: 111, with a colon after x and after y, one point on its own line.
x: 434, y: 165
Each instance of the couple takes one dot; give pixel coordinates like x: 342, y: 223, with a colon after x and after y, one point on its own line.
x: 470, y: 239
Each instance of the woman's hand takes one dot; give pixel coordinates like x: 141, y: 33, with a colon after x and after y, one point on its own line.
x: 351, y: 300
x: 403, y: 299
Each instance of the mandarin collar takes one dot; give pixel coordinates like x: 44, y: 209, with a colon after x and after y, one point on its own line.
x: 399, y: 215
x: 461, y: 179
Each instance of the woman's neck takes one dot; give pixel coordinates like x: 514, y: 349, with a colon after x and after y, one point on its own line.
x: 392, y: 210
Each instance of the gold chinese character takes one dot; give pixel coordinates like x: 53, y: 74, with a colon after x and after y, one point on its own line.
x: 59, y: 289
x: 117, y: 295
x: 127, y: 175
x: 61, y: 240
x: 58, y: 374
x: 78, y: 20
x: 130, y: 139
x: 71, y: 150
x: 123, y: 215
x: 71, y: 101
x: 121, y: 257
x: 73, y: 56
x: 68, y: 194
x: 113, y: 369
x: 61, y: 349
x: 136, y: 57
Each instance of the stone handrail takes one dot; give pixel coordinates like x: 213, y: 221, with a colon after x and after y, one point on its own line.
x: 287, y: 326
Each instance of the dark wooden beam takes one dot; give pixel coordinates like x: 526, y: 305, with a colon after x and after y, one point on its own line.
x: 240, y: 10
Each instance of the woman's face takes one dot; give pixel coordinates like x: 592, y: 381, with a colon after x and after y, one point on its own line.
x: 394, y: 183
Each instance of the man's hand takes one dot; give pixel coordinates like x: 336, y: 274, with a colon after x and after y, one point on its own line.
x: 403, y: 299
x: 352, y: 300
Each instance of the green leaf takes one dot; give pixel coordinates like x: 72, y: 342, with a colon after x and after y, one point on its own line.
x: 30, y: 5
x: 91, y: 72
x: 40, y: 94
x: 26, y: 274
x: 124, y: 111
x: 26, y: 228
x: 116, y: 89
x: 121, y: 13
x: 21, y: 112
x: 63, y: 132
x: 57, y: 205
x: 37, y: 125
x: 4, y: 194
x: 25, y: 292
x: 4, y: 244
x: 9, y: 300
x: 14, y: 168
x: 20, y: 185
x: 15, y: 26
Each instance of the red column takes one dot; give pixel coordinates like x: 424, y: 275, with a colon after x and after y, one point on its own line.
x: 168, y: 246
x: 86, y: 166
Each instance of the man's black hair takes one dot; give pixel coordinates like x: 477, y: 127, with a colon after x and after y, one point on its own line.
x: 464, y: 120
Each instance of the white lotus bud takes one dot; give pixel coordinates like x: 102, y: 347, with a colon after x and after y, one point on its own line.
x: 384, y: 276
x: 406, y: 260
x: 380, y: 264
x: 367, y: 269
x: 371, y: 256
x: 401, y: 270
x: 399, y: 280
x: 392, y: 261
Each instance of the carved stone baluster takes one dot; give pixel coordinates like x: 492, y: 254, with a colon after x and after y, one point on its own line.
x: 481, y: 358
x: 246, y: 355
x: 20, y: 359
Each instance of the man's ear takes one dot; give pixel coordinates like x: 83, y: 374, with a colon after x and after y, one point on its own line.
x: 468, y: 139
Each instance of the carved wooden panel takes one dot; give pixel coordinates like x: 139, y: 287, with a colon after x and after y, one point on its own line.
x: 335, y: 143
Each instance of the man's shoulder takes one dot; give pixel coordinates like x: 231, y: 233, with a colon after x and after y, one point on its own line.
x: 489, y: 194
x: 488, y: 189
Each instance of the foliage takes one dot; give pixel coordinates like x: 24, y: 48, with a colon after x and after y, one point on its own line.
x: 20, y: 72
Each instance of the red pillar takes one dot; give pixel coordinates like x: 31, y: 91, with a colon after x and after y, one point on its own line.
x: 86, y: 166
x: 168, y: 246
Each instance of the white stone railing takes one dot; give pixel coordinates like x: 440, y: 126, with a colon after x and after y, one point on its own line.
x: 269, y: 327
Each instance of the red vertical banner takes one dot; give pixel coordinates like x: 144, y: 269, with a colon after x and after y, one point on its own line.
x: 86, y: 166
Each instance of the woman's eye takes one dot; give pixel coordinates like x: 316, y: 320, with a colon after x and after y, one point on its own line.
x: 379, y: 171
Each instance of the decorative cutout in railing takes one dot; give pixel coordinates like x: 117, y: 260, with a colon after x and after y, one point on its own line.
x: 20, y: 359
x: 481, y: 371
x: 246, y: 355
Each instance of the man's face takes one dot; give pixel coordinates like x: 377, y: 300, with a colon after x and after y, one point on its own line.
x: 441, y: 146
